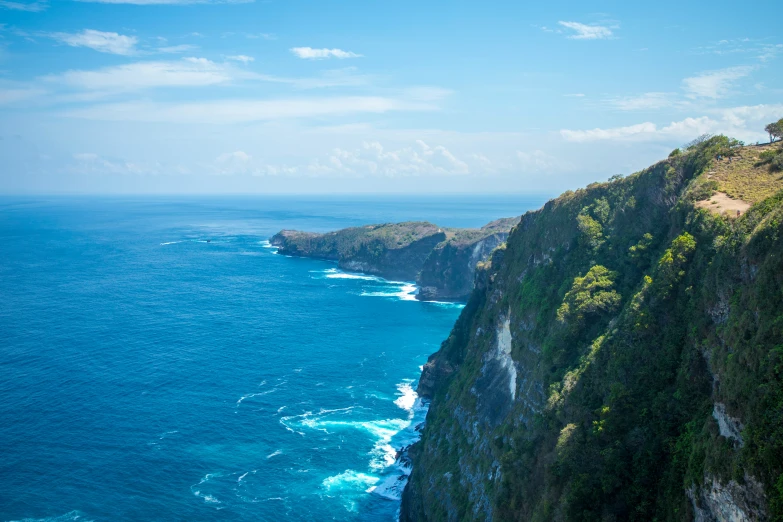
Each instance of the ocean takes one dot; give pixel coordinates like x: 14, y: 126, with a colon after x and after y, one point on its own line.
x: 159, y: 360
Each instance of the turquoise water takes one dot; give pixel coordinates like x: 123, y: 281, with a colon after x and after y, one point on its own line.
x: 159, y: 361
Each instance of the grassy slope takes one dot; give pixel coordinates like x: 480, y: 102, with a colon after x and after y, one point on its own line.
x: 618, y: 386
x: 744, y: 177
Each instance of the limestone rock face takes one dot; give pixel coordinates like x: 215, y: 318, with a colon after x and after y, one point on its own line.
x: 730, y: 502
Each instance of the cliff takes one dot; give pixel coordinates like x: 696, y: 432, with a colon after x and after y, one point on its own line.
x: 621, y: 358
x: 442, y: 261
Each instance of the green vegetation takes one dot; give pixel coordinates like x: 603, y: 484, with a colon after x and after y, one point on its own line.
x: 775, y: 130
x: 589, y: 295
x: 633, y: 313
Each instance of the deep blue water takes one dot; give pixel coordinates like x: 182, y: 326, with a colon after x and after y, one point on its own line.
x: 147, y: 374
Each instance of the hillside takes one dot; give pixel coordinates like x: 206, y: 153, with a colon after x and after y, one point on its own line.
x: 442, y: 261
x: 620, y: 359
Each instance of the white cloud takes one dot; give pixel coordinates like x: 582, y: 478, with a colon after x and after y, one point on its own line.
x: 372, y: 159
x: 608, y: 134
x: 142, y: 75
x: 745, y: 123
x: 240, y: 58
x: 33, y: 7
x: 769, y: 52
x: 176, y: 49
x: 237, y: 111
x: 646, y: 101
x: 101, y: 41
x: 314, y: 54
x: 95, y: 164
x: 232, y: 162
x: 587, y: 32
x: 715, y: 84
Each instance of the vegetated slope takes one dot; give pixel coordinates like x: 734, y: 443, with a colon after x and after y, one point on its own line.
x: 620, y: 359
x: 441, y: 260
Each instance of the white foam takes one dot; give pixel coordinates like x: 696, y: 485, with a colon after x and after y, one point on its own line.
x: 206, y: 497
x: 266, y: 244
x: 407, y: 396
x: 274, y: 454
x: 345, y: 275
x: 447, y: 304
x: 383, y: 454
x: 349, y: 480
x: 404, y: 292
x: 171, y: 243
x: 392, y: 487
x: 261, y: 394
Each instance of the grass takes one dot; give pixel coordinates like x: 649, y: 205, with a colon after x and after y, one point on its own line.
x: 743, y: 178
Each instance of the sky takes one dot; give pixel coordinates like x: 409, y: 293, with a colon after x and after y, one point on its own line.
x: 338, y: 97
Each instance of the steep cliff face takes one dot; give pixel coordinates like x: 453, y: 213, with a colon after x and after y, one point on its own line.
x: 621, y: 358
x: 441, y: 260
x: 448, y: 272
x: 395, y: 251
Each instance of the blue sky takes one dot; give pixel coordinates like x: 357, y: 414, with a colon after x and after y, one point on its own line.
x: 176, y: 96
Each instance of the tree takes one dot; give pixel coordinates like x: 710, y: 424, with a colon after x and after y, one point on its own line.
x: 775, y: 130
x: 732, y: 148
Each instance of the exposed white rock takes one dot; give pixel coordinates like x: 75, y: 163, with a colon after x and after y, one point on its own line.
x: 503, y: 355
x: 731, y: 502
x: 730, y: 427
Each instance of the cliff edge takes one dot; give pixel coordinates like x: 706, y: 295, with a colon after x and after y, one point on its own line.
x: 620, y: 358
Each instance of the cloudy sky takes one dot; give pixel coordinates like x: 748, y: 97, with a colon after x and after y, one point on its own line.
x: 222, y: 96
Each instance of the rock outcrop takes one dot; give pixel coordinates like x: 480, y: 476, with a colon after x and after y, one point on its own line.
x: 442, y: 261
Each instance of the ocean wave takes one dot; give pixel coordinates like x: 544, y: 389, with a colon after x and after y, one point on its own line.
x: 349, y: 486
x: 266, y: 244
x: 407, y: 396
x: 350, y: 480
x: 196, y: 489
x: 382, y: 431
x: 195, y: 241
x: 404, y: 292
x: 447, y: 304
x: 333, y: 273
x: 274, y: 454
x: 389, y: 465
x: 392, y: 486
x: 262, y: 393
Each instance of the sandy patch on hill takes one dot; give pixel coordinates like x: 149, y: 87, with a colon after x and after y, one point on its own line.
x: 720, y: 202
